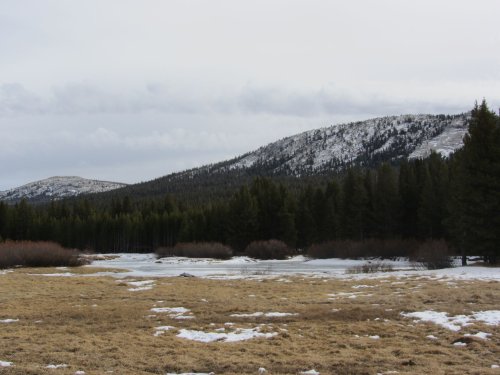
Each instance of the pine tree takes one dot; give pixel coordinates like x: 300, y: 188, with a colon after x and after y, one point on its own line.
x: 386, y: 202
x: 242, y: 223
x: 481, y: 184
x: 355, y: 200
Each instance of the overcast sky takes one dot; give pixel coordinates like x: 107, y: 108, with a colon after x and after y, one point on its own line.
x: 129, y: 90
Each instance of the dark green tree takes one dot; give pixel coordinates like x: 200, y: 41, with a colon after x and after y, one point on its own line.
x: 481, y: 183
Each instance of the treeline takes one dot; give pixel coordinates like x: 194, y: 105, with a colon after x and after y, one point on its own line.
x: 457, y: 198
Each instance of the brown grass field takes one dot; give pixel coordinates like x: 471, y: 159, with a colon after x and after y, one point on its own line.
x: 95, y: 324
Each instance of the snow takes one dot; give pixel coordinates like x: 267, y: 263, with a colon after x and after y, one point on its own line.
x: 5, y: 364
x: 240, y: 334
x: 455, y: 323
x: 459, y: 343
x: 310, y: 372
x: 144, y: 265
x: 174, y: 312
x: 431, y: 337
x: 491, y: 317
x: 62, y: 365
x: 481, y: 335
x: 58, y: 188
x: 191, y: 373
x: 350, y: 295
x: 162, y: 329
x: 323, y: 149
x: 141, y: 285
x: 268, y: 315
x: 374, y: 337
x: 439, y: 318
x: 495, y: 366
x: 7, y: 321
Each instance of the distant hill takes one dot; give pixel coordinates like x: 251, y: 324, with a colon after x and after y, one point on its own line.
x: 55, y: 188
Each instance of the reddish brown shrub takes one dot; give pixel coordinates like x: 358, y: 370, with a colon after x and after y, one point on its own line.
x: 37, y: 254
x: 433, y: 255
x: 271, y: 249
x: 196, y: 250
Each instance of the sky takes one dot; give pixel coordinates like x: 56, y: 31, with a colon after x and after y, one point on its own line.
x: 130, y: 90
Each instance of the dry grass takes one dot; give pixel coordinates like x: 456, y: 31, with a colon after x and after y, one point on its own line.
x: 96, y: 324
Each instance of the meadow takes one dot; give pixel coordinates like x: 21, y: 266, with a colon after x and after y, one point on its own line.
x: 76, y: 321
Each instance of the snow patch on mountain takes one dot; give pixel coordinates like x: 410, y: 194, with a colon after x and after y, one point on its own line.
x: 54, y: 188
x: 362, y: 143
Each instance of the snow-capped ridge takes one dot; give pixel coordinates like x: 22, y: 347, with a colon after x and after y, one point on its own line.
x: 333, y: 148
x: 57, y: 187
x: 362, y: 142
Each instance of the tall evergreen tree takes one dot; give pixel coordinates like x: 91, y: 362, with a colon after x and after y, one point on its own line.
x: 481, y: 183
x: 355, y: 200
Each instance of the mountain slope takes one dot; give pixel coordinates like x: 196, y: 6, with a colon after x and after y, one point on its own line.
x: 315, y: 154
x: 57, y: 188
x: 363, y: 143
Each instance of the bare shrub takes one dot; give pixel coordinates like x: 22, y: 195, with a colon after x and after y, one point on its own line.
x: 370, y: 267
x: 271, y: 249
x: 37, y: 254
x: 433, y: 255
x: 196, y: 250
x: 361, y: 249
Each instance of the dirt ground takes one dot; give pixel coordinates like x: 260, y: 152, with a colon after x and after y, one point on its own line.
x: 98, y: 325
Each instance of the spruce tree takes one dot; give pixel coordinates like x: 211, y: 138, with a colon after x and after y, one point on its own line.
x: 481, y: 183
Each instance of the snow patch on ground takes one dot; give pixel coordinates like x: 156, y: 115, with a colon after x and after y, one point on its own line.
x: 455, y: 323
x: 162, y: 329
x: 362, y: 286
x: 268, y: 315
x: 174, y: 312
x: 491, y: 317
x: 7, y: 321
x: 240, y: 334
x: 5, y: 364
x: 191, y: 373
x: 481, y: 335
x: 310, y: 372
x: 141, y: 285
x: 350, y: 295
x: 62, y: 365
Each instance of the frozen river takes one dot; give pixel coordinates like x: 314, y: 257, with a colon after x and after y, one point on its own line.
x: 148, y: 266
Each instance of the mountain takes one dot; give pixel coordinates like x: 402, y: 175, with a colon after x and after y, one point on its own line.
x: 363, y: 143
x: 315, y: 154
x: 57, y: 188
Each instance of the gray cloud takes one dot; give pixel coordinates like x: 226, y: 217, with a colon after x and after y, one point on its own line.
x: 160, y: 86
x: 74, y: 99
